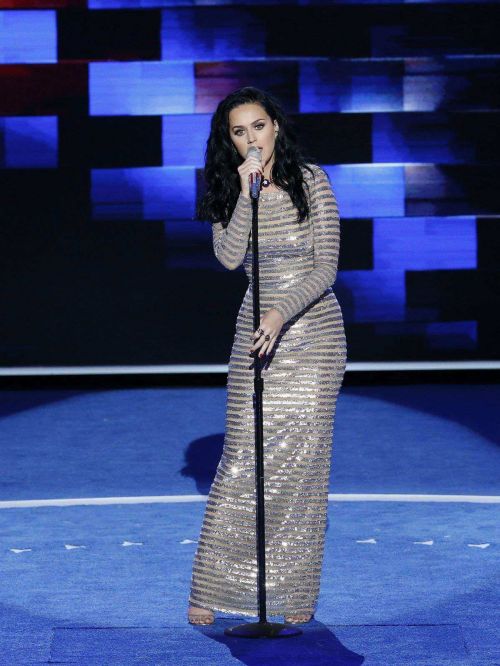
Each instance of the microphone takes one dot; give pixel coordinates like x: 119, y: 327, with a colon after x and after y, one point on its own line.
x: 254, y: 178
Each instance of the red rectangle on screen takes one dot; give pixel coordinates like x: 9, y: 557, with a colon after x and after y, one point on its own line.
x: 42, y: 90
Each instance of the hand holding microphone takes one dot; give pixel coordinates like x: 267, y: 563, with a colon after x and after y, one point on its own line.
x: 251, y: 172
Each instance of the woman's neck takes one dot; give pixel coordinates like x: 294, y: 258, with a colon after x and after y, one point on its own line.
x: 268, y: 167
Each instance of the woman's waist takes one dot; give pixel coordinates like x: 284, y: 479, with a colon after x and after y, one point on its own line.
x: 269, y: 296
x: 285, y: 272
x: 281, y: 281
x: 324, y: 304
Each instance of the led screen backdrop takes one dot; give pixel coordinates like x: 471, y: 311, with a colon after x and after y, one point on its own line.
x: 105, y: 108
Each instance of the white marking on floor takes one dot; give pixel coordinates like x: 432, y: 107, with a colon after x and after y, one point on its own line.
x: 412, y: 497
x: 174, y: 499
x: 222, y: 368
x: 68, y: 546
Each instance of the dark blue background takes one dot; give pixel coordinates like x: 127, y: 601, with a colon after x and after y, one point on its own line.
x: 105, y: 111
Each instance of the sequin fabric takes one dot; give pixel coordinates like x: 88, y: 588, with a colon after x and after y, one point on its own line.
x: 302, y: 378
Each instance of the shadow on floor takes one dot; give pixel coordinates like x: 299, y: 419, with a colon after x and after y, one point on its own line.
x: 316, y: 646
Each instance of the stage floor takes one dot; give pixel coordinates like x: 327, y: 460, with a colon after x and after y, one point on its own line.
x: 410, y: 574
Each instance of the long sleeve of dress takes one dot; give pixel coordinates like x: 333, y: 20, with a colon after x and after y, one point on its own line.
x: 230, y: 243
x: 324, y: 215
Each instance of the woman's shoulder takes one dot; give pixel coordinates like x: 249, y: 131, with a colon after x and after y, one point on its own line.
x: 315, y: 177
x: 312, y: 171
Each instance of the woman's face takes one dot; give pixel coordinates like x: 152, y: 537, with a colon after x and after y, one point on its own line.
x: 249, y: 125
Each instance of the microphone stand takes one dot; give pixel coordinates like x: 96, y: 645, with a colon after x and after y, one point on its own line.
x: 262, y: 628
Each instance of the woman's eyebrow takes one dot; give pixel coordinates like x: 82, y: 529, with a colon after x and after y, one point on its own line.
x: 255, y: 121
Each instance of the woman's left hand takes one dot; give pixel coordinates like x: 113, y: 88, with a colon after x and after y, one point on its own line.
x: 271, y: 323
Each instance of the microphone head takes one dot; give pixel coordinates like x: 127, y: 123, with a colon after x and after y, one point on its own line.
x: 253, y: 150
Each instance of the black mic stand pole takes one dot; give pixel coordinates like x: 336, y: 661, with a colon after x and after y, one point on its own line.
x: 262, y: 628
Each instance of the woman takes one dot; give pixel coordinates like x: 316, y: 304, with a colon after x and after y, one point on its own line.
x: 301, y: 336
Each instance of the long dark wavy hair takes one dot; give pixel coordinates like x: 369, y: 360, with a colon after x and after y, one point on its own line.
x: 222, y: 159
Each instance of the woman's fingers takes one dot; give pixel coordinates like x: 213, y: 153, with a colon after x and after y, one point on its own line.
x: 258, y: 333
x: 271, y: 344
x: 257, y: 344
x: 263, y: 345
x: 259, y: 336
x: 250, y: 165
x: 273, y: 321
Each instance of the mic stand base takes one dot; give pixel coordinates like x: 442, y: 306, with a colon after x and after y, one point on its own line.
x: 263, y: 630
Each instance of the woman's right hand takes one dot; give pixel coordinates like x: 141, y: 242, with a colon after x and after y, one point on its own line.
x: 251, y: 165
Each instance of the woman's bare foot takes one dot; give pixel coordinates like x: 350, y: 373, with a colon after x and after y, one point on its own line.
x: 200, y: 615
x: 299, y: 618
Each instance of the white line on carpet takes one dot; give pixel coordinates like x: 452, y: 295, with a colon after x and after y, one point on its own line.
x: 173, y: 499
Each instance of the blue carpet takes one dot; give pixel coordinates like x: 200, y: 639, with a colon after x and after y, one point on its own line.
x: 403, y: 582
x: 430, y: 439
x: 322, y: 645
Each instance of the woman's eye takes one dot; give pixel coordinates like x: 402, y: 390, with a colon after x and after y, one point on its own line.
x: 259, y: 126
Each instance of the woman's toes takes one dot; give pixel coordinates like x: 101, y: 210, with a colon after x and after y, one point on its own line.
x: 200, y: 615
x: 298, y: 619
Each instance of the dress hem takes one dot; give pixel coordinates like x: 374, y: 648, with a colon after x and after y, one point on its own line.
x: 252, y: 613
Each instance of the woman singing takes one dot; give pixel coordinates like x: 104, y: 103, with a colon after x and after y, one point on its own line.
x: 302, y: 344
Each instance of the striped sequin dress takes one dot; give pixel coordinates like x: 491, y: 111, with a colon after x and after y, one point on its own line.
x: 302, y: 379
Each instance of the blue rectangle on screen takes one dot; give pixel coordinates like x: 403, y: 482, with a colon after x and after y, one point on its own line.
x: 365, y: 190
x: 421, y: 243
x: 452, y: 334
x: 141, y: 88
x: 29, y: 142
x: 149, y: 193
x: 184, y: 139
x: 28, y: 36
x: 419, y: 137
x: 373, y: 295
x: 350, y: 86
x: 214, y: 33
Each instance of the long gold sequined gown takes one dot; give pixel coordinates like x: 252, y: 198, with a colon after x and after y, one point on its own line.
x: 302, y: 379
